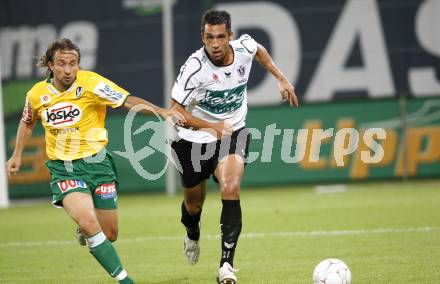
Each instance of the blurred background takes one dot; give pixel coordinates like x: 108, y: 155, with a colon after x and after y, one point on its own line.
x: 355, y: 64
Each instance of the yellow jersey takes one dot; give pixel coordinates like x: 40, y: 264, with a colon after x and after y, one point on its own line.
x: 73, y: 120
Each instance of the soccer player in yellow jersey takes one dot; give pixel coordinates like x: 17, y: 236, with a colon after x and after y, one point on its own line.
x: 71, y: 105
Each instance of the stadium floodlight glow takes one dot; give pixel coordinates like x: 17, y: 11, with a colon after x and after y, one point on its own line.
x: 4, y: 194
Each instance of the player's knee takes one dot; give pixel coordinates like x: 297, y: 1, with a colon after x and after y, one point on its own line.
x: 194, y: 207
x: 231, y: 190
x: 112, y: 235
x: 88, y: 225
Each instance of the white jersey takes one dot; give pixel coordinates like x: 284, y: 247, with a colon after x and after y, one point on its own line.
x: 215, y: 93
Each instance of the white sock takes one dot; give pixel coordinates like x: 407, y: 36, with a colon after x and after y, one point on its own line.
x: 122, y: 275
x: 96, y: 240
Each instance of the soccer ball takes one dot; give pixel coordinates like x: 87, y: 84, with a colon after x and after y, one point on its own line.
x: 331, y: 271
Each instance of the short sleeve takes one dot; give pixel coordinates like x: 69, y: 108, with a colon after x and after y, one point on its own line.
x: 249, y: 44
x: 187, y: 81
x: 29, y: 114
x: 107, y: 93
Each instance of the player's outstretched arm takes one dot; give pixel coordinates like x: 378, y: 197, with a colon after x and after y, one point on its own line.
x: 218, y: 129
x: 24, y: 132
x: 170, y: 115
x: 287, y: 91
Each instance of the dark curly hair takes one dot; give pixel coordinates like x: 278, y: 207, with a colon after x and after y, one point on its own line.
x: 216, y: 17
x: 61, y: 44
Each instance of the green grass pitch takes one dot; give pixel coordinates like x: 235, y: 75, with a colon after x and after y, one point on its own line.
x: 385, y: 232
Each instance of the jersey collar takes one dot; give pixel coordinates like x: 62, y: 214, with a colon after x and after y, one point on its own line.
x: 55, y: 91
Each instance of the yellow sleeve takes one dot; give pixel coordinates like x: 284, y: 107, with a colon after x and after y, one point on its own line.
x: 106, y: 92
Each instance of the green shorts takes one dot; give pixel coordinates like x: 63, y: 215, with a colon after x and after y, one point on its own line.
x: 95, y: 175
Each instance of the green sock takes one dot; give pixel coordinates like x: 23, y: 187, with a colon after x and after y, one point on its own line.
x: 104, y: 252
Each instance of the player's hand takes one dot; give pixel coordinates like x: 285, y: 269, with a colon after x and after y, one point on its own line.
x: 13, y: 165
x: 287, y: 92
x: 222, y: 129
x: 173, y: 117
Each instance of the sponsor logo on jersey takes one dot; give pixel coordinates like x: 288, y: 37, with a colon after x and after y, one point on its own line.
x: 45, y: 99
x: 106, y: 92
x: 241, y: 70
x: 62, y: 114
x: 66, y: 185
x: 27, y: 115
x: 106, y: 190
x: 223, y: 101
x: 240, y: 49
x: 214, y: 77
x: 57, y: 131
x: 228, y: 74
x: 79, y: 91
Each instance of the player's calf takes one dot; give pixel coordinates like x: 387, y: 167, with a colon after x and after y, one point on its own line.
x: 191, y: 247
x: 230, y: 226
x: 191, y: 223
x: 104, y: 252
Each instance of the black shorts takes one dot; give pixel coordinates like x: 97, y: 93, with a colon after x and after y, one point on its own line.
x: 198, y: 161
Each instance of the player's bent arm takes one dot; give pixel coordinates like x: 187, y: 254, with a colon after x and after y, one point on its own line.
x: 150, y: 108
x: 286, y: 89
x: 24, y: 132
x: 191, y: 121
x: 220, y: 128
x: 264, y: 59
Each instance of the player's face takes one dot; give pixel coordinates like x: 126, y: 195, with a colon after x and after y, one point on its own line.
x: 65, y: 65
x: 216, y: 39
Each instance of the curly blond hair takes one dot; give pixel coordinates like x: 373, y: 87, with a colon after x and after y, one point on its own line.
x: 61, y: 44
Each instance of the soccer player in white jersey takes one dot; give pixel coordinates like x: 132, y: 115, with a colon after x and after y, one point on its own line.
x: 211, y: 93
